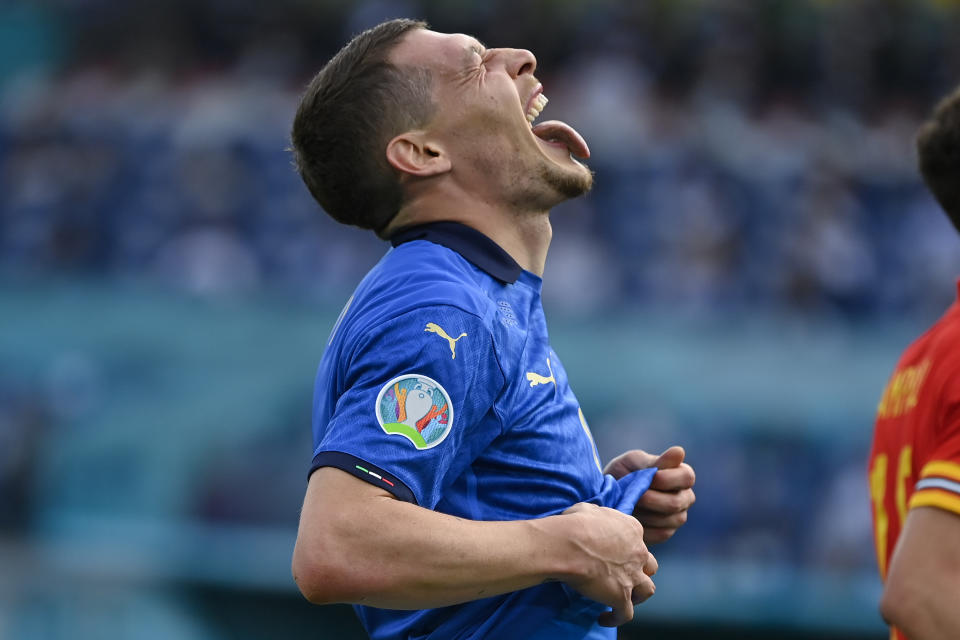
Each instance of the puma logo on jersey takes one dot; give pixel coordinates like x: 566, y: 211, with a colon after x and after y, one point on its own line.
x: 437, y: 329
x: 536, y: 378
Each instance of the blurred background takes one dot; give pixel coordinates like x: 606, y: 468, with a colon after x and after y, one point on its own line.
x: 756, y: 252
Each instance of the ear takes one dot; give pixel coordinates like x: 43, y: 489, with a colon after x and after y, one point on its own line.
x: 412, y: 153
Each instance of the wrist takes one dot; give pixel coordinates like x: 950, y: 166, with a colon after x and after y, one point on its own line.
x: 556, y: 539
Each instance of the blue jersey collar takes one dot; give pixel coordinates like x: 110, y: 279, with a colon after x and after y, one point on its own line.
x: 469, y: 243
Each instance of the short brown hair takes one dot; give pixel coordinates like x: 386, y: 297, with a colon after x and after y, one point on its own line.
x: 347, y: 115
x: 938, y: 155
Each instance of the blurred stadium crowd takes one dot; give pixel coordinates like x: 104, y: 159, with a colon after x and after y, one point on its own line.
x: 746, y: 154
x: 749, y: 158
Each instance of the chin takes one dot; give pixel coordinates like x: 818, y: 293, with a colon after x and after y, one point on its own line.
x: 569, y: 182
x: 546, y: 182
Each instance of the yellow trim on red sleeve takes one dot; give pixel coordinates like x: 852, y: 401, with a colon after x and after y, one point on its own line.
x: 941, y: 468
x: 936, y: 498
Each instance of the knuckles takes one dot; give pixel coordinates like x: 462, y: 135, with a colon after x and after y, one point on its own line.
x: 655, y: 536
x: 679, y: 502
x: 676, y: 503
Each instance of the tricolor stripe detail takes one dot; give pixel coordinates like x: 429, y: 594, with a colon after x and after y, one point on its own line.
x: 375, y: 475
x: 366, y: 471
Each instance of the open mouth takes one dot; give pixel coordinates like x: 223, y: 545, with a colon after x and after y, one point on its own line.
x: 537, y: 103
x: 554, y: 132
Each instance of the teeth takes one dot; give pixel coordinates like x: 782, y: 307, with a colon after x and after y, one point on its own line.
x: 536, y: 107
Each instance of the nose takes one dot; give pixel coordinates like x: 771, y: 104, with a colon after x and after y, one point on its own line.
x: 518, y: 61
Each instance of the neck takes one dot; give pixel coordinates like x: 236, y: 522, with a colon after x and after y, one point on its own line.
x: 525, y: 235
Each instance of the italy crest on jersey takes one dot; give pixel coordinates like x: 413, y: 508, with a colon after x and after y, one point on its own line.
x: 417, y: 408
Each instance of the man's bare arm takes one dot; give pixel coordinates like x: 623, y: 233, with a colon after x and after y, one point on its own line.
x: 921, y: 595
x: 359, y: 544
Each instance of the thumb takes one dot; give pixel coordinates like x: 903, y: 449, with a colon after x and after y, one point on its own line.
x: 671, y: 458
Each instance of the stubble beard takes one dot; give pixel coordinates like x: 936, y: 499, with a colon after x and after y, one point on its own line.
x: 533, y: 184
x: 545, y: 186
x: 568, y: 183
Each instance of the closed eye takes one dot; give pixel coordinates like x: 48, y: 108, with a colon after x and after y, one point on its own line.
x: 477, y: 47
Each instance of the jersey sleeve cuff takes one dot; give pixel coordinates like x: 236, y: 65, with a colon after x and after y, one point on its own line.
x: 938, y: 498
x: 944, y: 469
x: 365, y: 471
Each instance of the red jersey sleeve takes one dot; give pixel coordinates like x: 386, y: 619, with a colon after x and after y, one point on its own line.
x: 938, y: 484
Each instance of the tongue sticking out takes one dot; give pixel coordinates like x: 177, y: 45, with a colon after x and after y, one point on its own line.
x: 556, y: 131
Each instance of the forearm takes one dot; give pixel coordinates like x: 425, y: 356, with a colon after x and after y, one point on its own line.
x: 927, y: 613
x: 392, y: 554
x: 920, y: 593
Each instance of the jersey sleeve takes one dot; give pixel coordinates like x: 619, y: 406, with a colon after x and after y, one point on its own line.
x: 939, y: 480
x: 417, y: 403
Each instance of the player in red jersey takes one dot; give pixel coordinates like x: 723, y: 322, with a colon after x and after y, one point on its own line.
x: 915, y: 461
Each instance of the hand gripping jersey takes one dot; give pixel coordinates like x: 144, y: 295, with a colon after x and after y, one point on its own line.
x: 439, y: 385
x: 915, y: 461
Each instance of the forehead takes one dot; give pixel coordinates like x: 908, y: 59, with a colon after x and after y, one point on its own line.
x: 434, y: 50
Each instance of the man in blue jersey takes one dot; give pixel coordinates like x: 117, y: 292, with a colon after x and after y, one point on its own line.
x: 455, y: 490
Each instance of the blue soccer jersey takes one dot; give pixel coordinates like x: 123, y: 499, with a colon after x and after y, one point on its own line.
x: 439, y: 385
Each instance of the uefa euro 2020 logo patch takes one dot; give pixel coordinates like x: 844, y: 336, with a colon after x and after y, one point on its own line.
x: 417, y: 408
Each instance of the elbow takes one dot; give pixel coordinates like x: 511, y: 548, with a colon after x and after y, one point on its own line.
x: 325, y: 574
x: 900, y: 604
x: 889, y: 610
x: 319, y: 580
x: 313, y: 584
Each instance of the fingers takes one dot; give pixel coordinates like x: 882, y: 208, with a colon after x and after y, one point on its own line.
x: 663, y: 512
x: 675, y: 478
x: 636, y: 459
x: 622, y: 612
x: 651, y: 565
x: 655, y: 535
x: 628, y: 462
x: 666, y: 502
x: 644, y: 589
x: 651, y: 520
x: 622, y: 565
x: 670, y: 458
